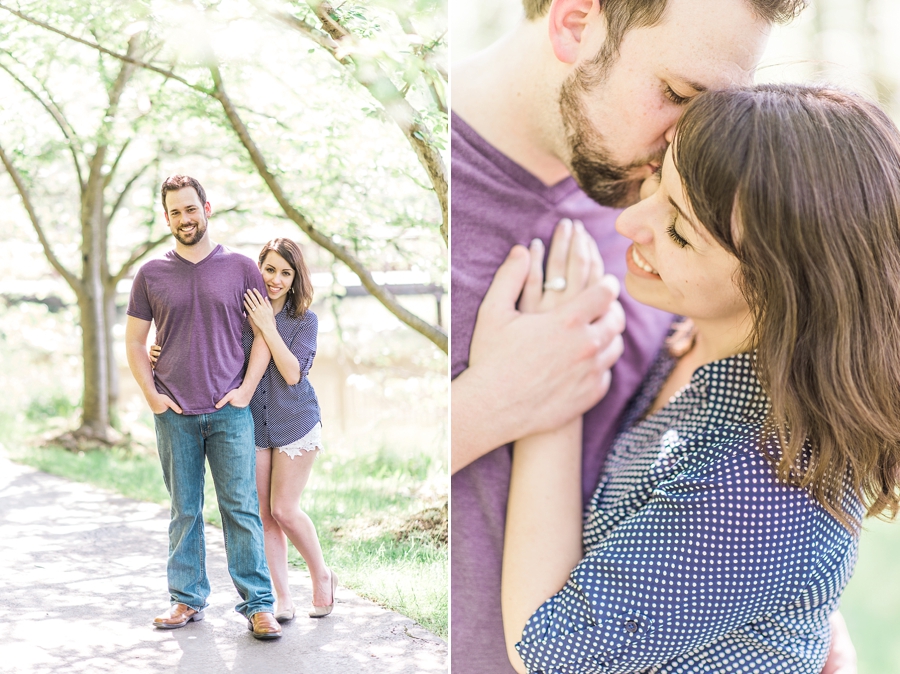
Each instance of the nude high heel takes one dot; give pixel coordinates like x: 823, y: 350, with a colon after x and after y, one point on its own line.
x: 322, y: 611
x: 285, y: 615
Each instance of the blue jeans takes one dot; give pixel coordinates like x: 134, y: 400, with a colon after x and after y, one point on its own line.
x: 226, y: 438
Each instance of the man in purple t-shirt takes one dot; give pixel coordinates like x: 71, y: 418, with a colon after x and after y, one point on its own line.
x: 199, y: 395
x: 579, y: 100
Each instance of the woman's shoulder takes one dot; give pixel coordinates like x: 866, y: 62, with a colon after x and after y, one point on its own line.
x: 305, y: 321
x: 732, y: 449
x: 739, y: 461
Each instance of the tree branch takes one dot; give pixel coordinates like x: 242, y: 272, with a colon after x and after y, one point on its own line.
x: 115, y: 164
x: 73, y: 281
x: 58, y: 117
x: 103, y: 50
x: 92, y: 197
x: 128, y: 185
x: 437, y: 335
x: 338, y: 42
x: 136, y: 255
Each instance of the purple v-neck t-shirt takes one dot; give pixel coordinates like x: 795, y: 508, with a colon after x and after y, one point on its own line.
x: 496, y: 204
x: 198, y: 310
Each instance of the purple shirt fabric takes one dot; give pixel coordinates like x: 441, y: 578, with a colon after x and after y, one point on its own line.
x: 496, y: 204
x: 198, y: 310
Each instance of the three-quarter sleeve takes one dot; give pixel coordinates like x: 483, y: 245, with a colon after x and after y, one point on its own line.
x: 303, y: 344
x: 717, y: 546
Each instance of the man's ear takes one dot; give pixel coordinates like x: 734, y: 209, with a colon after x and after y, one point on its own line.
x: 208, y: 209
x: 568, y: 19
x: 166, y: 213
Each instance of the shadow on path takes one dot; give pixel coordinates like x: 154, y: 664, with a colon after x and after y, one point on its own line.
x: 82, y: 574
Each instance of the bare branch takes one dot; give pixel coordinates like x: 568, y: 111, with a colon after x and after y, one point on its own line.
x: 137, y: 254
x: 437, y: 335
x: 115, y: 164
x: 91, y: 199
x: 73, y: 281
x: 103, y: 50
x: 338, y: 42
x: 127, y: 187
x: 58, y: 117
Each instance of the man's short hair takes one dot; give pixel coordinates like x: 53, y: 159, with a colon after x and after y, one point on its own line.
x: 625, y: 15
x: 179, y: 182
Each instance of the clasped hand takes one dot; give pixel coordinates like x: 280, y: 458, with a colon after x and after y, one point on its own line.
x: 549, y: 360
x: 259, y: 310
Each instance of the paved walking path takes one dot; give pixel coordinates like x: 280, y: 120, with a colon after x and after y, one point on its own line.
x: 82, y: 573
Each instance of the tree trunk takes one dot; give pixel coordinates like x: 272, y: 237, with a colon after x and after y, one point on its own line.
x: 94, y: 330
x: 95, y: 415
x: 112, y: 370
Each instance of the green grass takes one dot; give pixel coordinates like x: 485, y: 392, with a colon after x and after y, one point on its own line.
x: 360, y: 504
x: 871, y: 603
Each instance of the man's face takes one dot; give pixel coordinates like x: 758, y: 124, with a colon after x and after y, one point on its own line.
x: 616, y: 115
x: 187, y: 217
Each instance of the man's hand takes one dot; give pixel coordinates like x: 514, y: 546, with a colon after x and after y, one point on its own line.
x: 161, y: 402
x: 534, y: 372
x: 238, y: 397
x: 842, y: 656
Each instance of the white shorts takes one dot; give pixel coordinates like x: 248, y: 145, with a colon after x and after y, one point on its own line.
x: 308, y: 443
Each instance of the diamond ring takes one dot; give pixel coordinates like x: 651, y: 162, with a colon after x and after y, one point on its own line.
x: 558, y: 283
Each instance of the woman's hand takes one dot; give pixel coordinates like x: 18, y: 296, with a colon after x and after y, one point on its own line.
x: 531, y: 372
x: 573, y: 264
x: 155, y: 350
x: 259, y: 309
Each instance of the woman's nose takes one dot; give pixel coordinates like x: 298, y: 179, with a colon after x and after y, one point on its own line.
x: 632, y: 223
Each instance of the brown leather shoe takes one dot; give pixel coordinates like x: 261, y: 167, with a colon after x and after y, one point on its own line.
x: 177, y: 616
x: 264, y: 626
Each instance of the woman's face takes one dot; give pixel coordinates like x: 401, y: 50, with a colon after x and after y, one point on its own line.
x: 277, y: 275
x: 674, y: 264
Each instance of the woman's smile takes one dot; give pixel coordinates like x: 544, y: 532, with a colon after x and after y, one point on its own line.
x: 638, y: 265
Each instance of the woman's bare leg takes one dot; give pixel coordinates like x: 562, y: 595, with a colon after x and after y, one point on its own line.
x: 275, y: 540
x: 289, y: 478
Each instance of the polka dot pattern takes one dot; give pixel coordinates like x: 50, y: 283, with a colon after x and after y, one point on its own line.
x: 283, y: 414
x: 696, y: 558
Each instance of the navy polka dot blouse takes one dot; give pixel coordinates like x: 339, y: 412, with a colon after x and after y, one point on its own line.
x: 283, y: 414
x: 696, y: 558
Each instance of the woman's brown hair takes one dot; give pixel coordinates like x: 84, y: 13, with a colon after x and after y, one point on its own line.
x: 300, y: 296
x: 802, y: 185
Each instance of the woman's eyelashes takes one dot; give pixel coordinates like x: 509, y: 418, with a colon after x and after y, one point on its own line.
x: 679, y: 240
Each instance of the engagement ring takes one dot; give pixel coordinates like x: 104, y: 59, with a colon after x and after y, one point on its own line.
x: 558, y: 283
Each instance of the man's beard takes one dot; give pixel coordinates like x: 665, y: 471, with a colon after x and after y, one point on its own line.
x: 603, y: 180
x: 194, y: 238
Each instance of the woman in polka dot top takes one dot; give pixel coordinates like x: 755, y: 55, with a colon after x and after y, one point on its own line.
x: 287, y: 421
x: 725, y: 526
